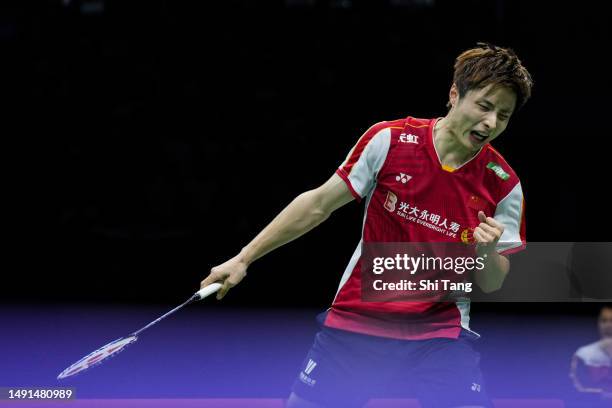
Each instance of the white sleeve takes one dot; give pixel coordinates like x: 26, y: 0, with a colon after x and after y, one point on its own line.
x: 509, y: 212
x: 365, y: 160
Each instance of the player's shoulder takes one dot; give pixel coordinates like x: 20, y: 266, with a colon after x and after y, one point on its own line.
x: 380, y: 132
x: 402, y: 123
x: 384, y: 125
x: 497, y: 169
x: 407, y: 124
x: 416, y: 123
x: 593, y: 355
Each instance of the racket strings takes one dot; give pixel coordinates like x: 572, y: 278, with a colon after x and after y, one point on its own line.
x: 98, y: 356
x: 113, y: 348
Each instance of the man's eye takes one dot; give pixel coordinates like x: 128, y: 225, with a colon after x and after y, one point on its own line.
x: 503, y: 117
x: 483, y: 107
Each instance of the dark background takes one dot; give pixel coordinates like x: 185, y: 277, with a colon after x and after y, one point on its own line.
x: 155, y: 139
x: 146, y: 142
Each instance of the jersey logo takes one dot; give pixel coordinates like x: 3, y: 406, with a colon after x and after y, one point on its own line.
x: 390, y: 201
x: 467, y: 236
x: 476, y: 203
x: 408, y: 138
x: 310, y: 366
x: 475, y: 387
x: 497, y: 169
x: 404, y: 178
x: 304, y: 376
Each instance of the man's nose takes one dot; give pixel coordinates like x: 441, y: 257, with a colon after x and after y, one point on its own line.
x: 490, y: 121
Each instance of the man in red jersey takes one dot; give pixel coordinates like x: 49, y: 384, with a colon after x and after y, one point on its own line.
x: 424, y: 180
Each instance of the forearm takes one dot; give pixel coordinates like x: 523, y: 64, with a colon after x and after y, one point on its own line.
x: 492, y: 276
x: 300, y: 216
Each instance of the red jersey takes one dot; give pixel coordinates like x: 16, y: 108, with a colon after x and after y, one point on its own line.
x: 396, y: 168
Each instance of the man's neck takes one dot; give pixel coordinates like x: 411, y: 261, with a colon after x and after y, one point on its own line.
x: 450, y: 150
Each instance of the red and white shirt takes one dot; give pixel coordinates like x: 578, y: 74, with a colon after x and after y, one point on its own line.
x: 396, y: 168
x: 592, y: 367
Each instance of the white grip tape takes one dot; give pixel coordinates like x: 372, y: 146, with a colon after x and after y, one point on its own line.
x: 208, y: 290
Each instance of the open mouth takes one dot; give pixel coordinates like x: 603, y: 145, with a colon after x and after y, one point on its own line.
x: 479, y: 137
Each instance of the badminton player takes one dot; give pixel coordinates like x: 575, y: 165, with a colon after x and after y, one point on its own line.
x: 591, y: 366
x: 445, y: 172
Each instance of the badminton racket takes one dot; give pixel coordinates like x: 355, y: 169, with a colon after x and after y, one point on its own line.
x: 111, y: 349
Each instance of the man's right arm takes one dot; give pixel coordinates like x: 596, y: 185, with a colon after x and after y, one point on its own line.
x: 305, y: 212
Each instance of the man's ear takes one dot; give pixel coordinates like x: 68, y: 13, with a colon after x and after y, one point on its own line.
x: 453, y: 95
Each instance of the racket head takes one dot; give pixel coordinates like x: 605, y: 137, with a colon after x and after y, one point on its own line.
x: 98, y: 356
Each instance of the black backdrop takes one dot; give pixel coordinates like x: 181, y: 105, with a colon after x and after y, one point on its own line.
x: 155, y: 139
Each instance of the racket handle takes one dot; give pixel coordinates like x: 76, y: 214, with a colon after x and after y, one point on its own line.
x: 207, y: 291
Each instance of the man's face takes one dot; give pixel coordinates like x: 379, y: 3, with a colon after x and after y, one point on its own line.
x: 605, y: 322
x: 481, y: 114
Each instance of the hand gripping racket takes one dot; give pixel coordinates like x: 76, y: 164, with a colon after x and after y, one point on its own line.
x: 114, y: 347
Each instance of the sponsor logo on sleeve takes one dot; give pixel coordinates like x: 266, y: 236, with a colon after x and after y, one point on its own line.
x: 497, y: 169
